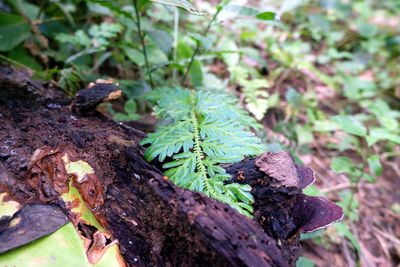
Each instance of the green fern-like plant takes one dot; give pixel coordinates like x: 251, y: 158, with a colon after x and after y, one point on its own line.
x: 205, y: 129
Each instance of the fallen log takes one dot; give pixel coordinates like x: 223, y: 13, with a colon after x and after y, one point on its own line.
x: 155, y: 222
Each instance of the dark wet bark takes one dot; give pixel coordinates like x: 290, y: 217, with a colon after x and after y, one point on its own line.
x: 156, y: 223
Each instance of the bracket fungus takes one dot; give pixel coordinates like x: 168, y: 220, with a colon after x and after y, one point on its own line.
x: 309, y: 213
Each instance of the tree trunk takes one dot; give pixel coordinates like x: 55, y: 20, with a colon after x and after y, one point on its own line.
x: 156, y: 222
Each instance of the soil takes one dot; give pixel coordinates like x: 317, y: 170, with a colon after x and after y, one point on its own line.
x: 156, y: 223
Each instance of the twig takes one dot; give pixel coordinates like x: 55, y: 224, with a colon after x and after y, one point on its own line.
x: 15, y: 62
x: 198, y: 45
x: 41, y: 21
x: 41, y: 8
x: 336, y: 188
x: 385, y: 235
x: 349, y: 260
x: 176, y: 27
x: 143, y: 44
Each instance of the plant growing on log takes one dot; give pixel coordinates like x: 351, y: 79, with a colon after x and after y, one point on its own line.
x: 205, y: 129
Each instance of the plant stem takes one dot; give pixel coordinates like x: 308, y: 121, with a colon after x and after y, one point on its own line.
x: 197, y: 150
x: 357, y: 180
x: 198, y: 45
x: 176, y: 28
x: 143, y: 44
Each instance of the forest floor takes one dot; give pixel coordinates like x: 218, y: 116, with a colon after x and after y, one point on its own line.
x: 377, y: 226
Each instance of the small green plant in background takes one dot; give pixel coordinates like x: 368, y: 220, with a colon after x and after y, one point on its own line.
x: 130, y: 108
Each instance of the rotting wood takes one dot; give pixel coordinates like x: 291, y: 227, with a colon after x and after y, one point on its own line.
x: 155, y: 222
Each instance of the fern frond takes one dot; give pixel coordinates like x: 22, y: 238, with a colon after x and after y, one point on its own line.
x: 206, y: 129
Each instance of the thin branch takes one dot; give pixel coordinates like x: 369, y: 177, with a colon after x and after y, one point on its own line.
x: 176, y: 28
x: 197, y: 50
x: 143, y: 44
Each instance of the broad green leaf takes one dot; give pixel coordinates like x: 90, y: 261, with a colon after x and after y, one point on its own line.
x: 13, y: 30
x: 312, y: 191
x: 181, y: 4
x: 62, y: 248
x: 26, y: 9
x: 342, y: 165
x: 162, y: 39
x: 350, y: 124
x: 134, y: 55
x: 52, y: 249
x: 304, y: 135
x: 268, y: 15
x: 374, y: 164
x: 294, y: 98
x: 233, y: 11
x: 366, y: 29
x: 231, y: 58
x: 311, y: 235
x: 384, y: 134
x: 371, y: 140
x: 196, y: 73
x: 21, y: 55
x: 184, y: 51
x: 130, y: 106
x: 304, y: 262
x: 205, y: 42
x: 368, y: 178
x: 325, y: 126
x: 143, y: 3
x: 111, y: 7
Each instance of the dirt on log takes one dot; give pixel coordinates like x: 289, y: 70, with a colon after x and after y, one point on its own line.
x: 156, y: 222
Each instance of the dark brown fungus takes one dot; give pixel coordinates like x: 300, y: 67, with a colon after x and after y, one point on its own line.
x: 285, y: 173
x: 313, y: 213
x: 309, y: 213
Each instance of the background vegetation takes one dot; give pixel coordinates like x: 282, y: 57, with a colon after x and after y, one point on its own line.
x: 322, y: 78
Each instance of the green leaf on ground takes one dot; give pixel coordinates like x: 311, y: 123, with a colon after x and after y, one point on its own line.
x: 62, y: 248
